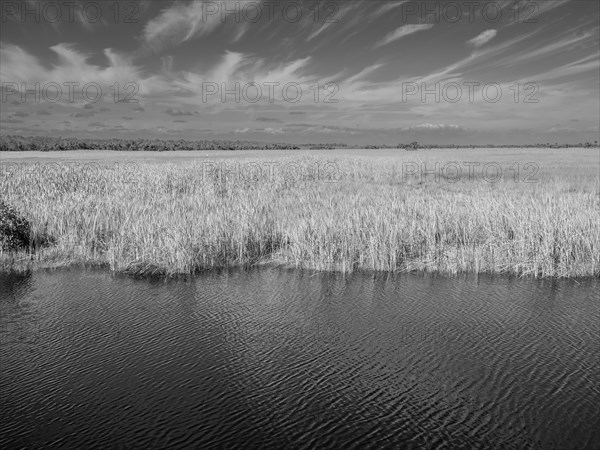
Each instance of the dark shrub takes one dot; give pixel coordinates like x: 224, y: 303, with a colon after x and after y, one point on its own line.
x: 15, y: 230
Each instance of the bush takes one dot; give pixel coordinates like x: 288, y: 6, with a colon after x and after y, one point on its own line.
x: 15, y: 230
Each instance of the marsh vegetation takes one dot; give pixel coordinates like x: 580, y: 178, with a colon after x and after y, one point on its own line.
x: 327, y: 212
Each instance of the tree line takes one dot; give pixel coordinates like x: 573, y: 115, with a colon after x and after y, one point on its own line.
x: 16, y: 143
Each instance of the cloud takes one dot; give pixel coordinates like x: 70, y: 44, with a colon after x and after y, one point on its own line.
x: 387, y: 7
x: 179, y: 23
x: 341, y: 22
x: 269, y: 130
x: 182, y: 22
x: 178, y: 112
x: 565, y: 43
x: 268, y: 119
x: 482, y: 38
x: 588, y: 63
x: 84, y: 114
x: 242, y: 29
x: 311, y: 129
x: 272, y: 130
x: 481, y: 57
x: 242, y: 69
x: 11, y: 120
x: 370, y: 87
x: 98, y: 125
x: 403, y: 31
x: 71, y: 65
x: 438, y: 128
x: 86, y: 19
x: 560, y: 129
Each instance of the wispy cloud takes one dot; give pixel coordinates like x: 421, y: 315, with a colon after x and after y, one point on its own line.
x: 238, y: 69
x: 479, y: 56
x: 483, y: 38
x: 168, y: 57
x: 179, y: 23
x: 561, y: 44
x: 586, y: 64
x: 388, y: 7
x: 403, y: 31
x: 439, y: 127
x: 184, y: 21
x: 72, y: 66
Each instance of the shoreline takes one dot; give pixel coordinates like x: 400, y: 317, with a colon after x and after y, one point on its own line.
x: 22, y: 263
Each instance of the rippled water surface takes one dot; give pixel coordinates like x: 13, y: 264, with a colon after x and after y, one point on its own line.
x: 287, y: 359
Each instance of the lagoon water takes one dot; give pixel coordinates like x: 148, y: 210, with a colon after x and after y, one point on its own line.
x: 271, y: 358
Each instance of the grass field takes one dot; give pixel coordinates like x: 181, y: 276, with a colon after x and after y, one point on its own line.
x: 382, y: 210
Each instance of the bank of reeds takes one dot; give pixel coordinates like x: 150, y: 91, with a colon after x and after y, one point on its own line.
x: 349, y: 215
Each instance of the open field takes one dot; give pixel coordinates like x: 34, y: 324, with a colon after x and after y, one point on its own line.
x: 384, y: 210
x: 558, y: 163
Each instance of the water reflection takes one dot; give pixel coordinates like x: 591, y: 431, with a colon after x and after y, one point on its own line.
x: 14, y: 286
x: 292, y: 359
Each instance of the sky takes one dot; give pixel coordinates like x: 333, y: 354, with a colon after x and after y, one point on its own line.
x: 341, y: 71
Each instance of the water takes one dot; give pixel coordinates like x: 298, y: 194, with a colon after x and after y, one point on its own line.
x: 287, y: 359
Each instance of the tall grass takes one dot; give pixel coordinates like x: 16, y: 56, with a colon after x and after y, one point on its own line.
x: 174, y: 219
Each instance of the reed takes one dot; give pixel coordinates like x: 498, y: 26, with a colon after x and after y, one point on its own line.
x: 180, y: 219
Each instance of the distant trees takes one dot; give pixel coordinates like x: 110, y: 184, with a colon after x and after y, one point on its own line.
x: 14, y: 143
x: 413, y: 146
x: 409, y: 147
x: 10, y: 143
x: 416, y: 146
x: 326, y: 146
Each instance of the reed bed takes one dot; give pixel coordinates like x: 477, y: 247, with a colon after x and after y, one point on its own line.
x: 343, y: 214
